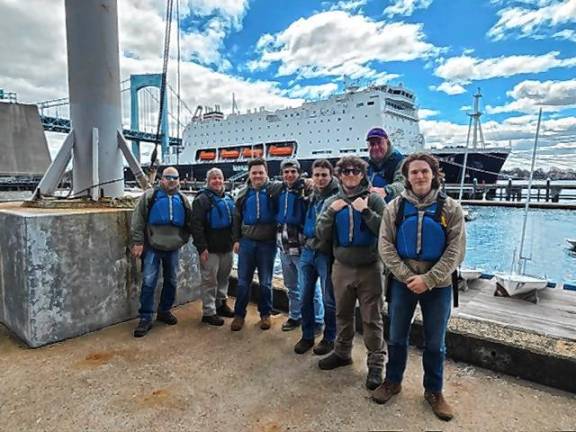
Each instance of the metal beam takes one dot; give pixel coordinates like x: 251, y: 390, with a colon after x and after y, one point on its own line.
x: 134, y: 165
x: 50, y: 181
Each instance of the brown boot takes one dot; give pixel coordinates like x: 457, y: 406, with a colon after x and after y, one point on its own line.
x: 265, y: 322
x: 237, y: 323
x: 385, y: 392
x: 439, y: 405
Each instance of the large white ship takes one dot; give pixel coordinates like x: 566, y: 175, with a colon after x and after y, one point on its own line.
x: 329, y: 128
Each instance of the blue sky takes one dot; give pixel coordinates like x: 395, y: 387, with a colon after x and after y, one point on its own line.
x: 521, y: 53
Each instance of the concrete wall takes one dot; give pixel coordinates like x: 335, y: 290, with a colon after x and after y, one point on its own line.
x: 23, y: 146
x: 64, y: 273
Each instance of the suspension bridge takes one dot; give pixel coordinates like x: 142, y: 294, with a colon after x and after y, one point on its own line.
x: 141, y: 98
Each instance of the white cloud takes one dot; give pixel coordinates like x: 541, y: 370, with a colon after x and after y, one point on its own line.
x: 557, y: 143
x: 530, y: 95
x: 312, y: 91
x: 424, y: 113
x: 566, y: 34
x: 449, y: 88
x: 337, y: 43
x: 346, y: 5
x: 406, y: 7
x: 464, y: 69
x: 527, y: 22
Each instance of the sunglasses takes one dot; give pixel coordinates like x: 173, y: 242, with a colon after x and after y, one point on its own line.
x: 321, y: 174
x: 171, y: 177
x: 351, y: 171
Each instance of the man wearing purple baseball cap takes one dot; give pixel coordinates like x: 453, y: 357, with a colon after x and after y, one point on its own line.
x: 384, y: 165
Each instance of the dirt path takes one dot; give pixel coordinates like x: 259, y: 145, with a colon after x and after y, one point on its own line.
x: 195, y: 377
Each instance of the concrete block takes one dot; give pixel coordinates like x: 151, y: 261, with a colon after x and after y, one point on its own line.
x: 64, y: 273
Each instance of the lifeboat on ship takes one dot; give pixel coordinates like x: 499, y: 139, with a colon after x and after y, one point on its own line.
x: 207, y: 155
x: 229, y: 154
x: 251, y: 153
x: 281, y: 150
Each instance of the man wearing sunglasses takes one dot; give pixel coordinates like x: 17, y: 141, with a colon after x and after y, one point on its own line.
x: 160, y: 227
x: 384, y: 165
x: 351, y: 222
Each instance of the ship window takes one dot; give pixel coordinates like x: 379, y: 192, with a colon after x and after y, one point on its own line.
x: 348, y: 150
x: 352, y: 117
x: 371, y: 103
x: 317, y: 152
x: 359, y: 104
x: 339, y: 118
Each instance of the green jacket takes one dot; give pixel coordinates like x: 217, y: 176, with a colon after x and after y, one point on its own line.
x: 260, y: 232
x: 325, y: 245
x: 354, y: 256
x: 161, y: 237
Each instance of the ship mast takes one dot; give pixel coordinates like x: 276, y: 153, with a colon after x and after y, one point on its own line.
x: 477, y: 136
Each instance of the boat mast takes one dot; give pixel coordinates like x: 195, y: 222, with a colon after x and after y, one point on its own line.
x: 474, y: 117
x: 521, y: 258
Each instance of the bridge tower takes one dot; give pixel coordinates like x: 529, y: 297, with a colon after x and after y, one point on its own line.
x: 137, y: 83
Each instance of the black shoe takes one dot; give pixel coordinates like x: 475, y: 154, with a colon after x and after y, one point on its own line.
x: 213, y: 320
x: 143, y: 328
x: 333, y: 361
x: 291, y: 324
x: 275, y: 312
x: 318, y: 329
x: 303, y: 346
x: 167, y: 318
x: 224, y: 310
x: 324, y: 347
x: 374, y: 378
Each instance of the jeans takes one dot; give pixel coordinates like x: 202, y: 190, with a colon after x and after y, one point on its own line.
x: 292, y: 276
x: 436, y: 307
x: 316, y: 265
x: 252, y: 255
x: 151, y: 260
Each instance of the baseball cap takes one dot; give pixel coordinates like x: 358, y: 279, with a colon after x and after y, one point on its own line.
x: 376, y: 133
x: 290, y: 163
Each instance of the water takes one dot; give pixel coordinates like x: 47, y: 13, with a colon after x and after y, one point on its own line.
x: 495, y: 233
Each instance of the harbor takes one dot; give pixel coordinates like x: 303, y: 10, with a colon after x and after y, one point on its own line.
x: 404, y: 251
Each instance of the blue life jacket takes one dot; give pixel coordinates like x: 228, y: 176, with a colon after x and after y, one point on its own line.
x: 221, y: 212
x: 351, y: 230
x: 166, y: 209
x: 312, y: 213
x: 258, y: 208
x: 433, y: 237
x: 383, y: 176
x: 291, y: 208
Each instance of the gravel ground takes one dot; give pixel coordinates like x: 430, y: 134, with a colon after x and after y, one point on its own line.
x: 196, y: 377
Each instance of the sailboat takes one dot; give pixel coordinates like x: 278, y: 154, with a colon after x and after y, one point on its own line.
x: 517, y: 282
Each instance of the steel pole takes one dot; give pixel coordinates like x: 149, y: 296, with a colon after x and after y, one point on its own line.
x: 94, y: 91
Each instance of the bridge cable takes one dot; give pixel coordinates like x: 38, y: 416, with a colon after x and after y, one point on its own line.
x: 166, y: 55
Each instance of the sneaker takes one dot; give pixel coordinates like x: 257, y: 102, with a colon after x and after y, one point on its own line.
x: 213, y: 320
x: 333, y: 361
x: 291, y: 324
x: 265, y: 322
x: 439, y: 405
x: 318, y: 329
x: 143, y: 328
x: 303, y: 346
x: 374, y: 378
x: 385, y: 392
x: 324, y: 347
x: 224, y: 310
x: 167, y: 318
x: 237, y: 323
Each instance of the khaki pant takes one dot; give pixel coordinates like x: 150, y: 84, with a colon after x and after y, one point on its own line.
x: 365, y: 285
x: 215, y: 273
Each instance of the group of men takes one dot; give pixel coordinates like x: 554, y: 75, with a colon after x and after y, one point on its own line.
x: 343, y: 236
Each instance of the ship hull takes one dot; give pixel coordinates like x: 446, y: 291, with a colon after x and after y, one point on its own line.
x: 483, y: 167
